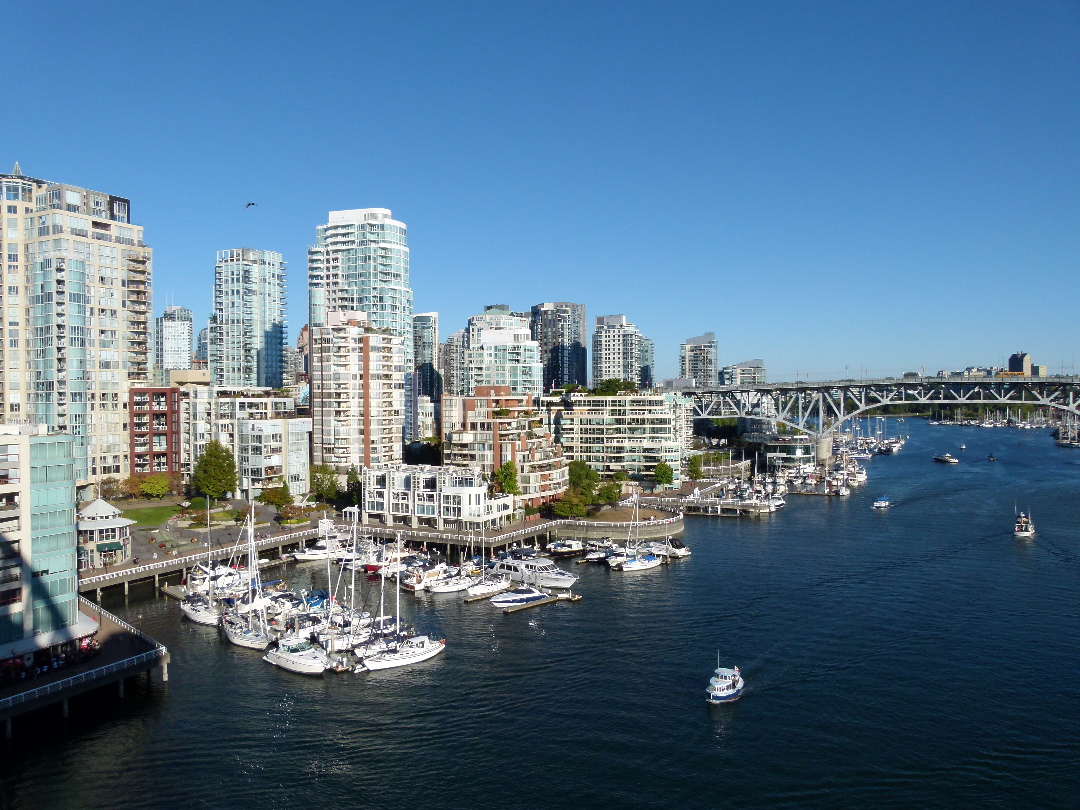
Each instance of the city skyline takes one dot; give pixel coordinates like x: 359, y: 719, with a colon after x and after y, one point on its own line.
x: 886, y: 156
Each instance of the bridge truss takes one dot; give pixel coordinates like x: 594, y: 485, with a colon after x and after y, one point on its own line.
x: 821, y: 407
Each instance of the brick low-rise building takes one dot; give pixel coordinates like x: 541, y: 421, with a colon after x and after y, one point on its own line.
x: 494, y: 426
x: 154, y: 414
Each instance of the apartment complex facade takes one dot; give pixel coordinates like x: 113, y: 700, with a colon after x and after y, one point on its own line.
x: 495, y: 426
x: 247, y: 330
x: 561, y: 328
x: 172, y: 342
x: 38, y: 541
x: 439, y: 497
x: 154, y: 414
x: 499, y: 350
x: 261, y: 430
x: 621, y: 352
x: 360, y: 263
x: 749, y: 372
x: 697, y: 360
x: 358, y: 392
x: 629, y: 433
x: 76, y: 307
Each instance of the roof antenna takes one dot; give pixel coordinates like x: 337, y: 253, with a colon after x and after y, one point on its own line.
x: 17, y: 171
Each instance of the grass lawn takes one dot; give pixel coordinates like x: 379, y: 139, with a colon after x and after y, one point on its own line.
x: 151, y: 515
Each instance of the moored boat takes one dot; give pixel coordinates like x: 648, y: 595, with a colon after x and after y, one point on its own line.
x: 518, y: 596
x: 297, y: 655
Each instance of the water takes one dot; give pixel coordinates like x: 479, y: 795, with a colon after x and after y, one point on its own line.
x: 916, y: 657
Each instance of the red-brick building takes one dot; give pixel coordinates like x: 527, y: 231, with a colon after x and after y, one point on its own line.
x: 155, y: 429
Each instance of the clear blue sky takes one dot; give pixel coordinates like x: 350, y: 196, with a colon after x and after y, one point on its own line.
x: 836, y: 188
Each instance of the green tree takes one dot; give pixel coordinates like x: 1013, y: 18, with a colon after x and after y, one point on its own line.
x: 215, y: 472
x: 572, y: 504
x: 352, y: 485
x: 324, y: 482
x: 110, y: 488
x: 506, y: 479
x: 276, y: 496
x: 663, y: 474
x: 584, y: 479
x: 693, y: 468
x: 610, y: 388
x: 155, y: 486
x: 609, y: 492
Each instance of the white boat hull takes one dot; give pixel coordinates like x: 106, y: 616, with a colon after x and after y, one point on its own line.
x: 300, y: 664
x: 413, y: 651
x: 201, y: 615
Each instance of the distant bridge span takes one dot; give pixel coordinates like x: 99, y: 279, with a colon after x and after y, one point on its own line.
x: 821, y: 407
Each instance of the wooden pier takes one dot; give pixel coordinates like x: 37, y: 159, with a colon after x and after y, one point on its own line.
x: 125, y: 652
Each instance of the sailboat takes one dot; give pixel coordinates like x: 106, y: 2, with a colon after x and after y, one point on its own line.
x: 404, y: 650
x: 197, y: 607
x: 247, y: 627
x: 635, y: 559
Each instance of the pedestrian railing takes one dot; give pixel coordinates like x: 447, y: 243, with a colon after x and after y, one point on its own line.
x: 158, y: 651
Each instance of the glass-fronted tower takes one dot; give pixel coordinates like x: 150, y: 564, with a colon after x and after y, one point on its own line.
x: 360, y: 263
x: 172, y: 339
x: 247, y: 331
x: 561, y: 329
x: 426, y: 349
x: 77, y: 302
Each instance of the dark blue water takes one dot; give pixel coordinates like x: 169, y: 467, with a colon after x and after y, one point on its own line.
x: 917, y: 657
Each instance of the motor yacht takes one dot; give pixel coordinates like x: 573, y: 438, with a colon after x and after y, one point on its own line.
x: 536, y: 571
x: 566, y: 548
x: 1023, y: 526
x: 726, y: 685
x: 297, y: 655
x: 881, y: 503
x: 946, y: 458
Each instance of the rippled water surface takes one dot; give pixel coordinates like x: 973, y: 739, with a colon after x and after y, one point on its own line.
x: 917, y: 657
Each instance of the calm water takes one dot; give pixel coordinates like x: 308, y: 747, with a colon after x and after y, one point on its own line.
x: 920, y: 656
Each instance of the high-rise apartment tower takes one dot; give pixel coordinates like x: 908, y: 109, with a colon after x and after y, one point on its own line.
x: 561, y: 329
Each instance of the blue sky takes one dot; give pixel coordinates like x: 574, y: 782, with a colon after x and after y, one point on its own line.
x: 839, y: 189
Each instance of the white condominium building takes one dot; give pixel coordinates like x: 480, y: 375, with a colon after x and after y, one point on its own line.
x: 440, y: 497
x: 500, y: 351
x: 697, y: 360
x: 76, y: 309
x: 621, y: 352
x: 629, y: 433
x: 247, y: 332
x: 358, y: 378
x: 267, y: 440
x: 172, y: 342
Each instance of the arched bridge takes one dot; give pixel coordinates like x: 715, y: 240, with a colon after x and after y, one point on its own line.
x: 821, y: 407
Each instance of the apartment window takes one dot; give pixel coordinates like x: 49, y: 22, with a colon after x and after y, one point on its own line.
x: 97, y: 206
x: 73, y: 201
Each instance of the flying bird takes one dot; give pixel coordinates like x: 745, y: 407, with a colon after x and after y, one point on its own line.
x: 249, y: 205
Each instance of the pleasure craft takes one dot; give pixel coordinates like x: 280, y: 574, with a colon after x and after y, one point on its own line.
x: 297, y: 655
x: 244, y: 633
x: 726, y: 685
x: 409, y: 651
x: 1024, y: 527
x: 946, y: 458
x: 518, y: 596
x: 566, y: 548
x: 414, y: 579
x: 537, y: 571
x: 491, y: 585
x: 640, y: 562
x: 199, y: 609
x: 881, y: 503
x: 452, y: 583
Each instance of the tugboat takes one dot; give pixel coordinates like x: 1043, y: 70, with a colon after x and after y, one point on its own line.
x: 726, y: 685
x: 1024, y: 527
x: 946, y: 458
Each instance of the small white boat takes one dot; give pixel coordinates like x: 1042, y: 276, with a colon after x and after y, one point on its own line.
x: 518, y: 596
x: 491, y: 585
x: 881, y: 503
x: 246, y: 634
x: 410, y: 651
x: 946, y: 458
x: 1023, y: 526
x: 200, y: 611
x: 451, y: 584
x: 726, y: 685
x: 297, y: 655
x: 640, y: 562
x: 566, y: 548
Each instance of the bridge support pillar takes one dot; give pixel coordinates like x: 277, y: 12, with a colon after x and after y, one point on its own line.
x: 7, y: 729
x: 97, y: 593
x: 66, y: 708
x: 824, y: 449
x: 156, y: 586
x: 120, y: 685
